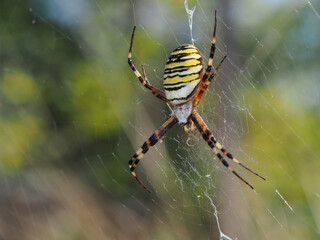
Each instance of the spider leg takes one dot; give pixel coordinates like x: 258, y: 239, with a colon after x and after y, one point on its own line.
x: 212, y: 51
x: 201, y: 90
x: 209, y: 138
x: 189, y: 127
x: 144, y: 73
x: 224, y: 151
x: 156, y: 92
x: 155, y: 137
x: 229, y: 155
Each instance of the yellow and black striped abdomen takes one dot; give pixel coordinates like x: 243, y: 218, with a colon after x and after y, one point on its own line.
x: 182, y: 73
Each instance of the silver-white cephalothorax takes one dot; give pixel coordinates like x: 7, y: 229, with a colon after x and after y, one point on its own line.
x: 182, y: 112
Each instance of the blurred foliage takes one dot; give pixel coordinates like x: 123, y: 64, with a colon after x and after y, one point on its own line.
x: 290, y: 147
x: 72, y: 113
x: 96, y: 105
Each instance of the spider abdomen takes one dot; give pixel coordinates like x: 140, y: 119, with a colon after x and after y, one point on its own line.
x: 182, y: 73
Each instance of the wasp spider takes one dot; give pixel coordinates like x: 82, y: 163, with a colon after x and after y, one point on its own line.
x: 184, y: 84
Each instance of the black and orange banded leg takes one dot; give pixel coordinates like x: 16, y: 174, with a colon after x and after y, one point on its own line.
x: 155, y: 137
x: 204, y: 87
x: 156, y: 92
x: 212, y: 51
x: 212, y: 142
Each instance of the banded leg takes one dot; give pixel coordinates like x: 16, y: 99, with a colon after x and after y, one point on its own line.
x: 213, y: 49
x: 222, y: 149
x: 189, y: 126
x: 204, y: 87
x: 156, y: 92
x: 155, y: 137
x: 212, y: 142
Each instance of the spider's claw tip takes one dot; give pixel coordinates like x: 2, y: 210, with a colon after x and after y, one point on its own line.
x: 263, y: 178
x: 145, y: 188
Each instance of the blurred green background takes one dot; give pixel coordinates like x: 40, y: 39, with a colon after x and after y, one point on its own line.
x: 72, y: 114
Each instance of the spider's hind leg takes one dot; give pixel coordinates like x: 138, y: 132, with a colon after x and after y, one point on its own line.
x: 214, y: 145
x: 155, y: 137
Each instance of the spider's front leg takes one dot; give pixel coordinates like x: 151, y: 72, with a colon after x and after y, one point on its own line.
x: 204, y: 87
x: 205, y: 81
x: 155, y: 137
x: 156, y: 92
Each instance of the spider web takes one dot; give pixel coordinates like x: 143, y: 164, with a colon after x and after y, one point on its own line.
x: 90, y: 116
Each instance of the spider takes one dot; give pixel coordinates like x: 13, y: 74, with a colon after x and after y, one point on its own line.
x: 184, y: 84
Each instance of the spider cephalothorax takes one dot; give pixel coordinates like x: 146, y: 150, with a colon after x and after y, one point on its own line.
x: 184, y: 84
